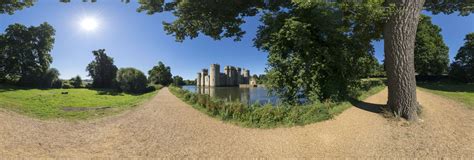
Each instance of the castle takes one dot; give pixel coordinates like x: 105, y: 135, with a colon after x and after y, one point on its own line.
x: 232, y: 76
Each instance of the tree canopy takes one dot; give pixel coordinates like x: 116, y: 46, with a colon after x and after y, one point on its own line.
x: 463, y: 66
x: 131, y: 80
x: 102, y: 70
x: 178, y: 81
x: 160, y: 74
x: 25, y: 53
x: 431, y: 53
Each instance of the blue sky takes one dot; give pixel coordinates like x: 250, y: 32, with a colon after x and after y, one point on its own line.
x: 138, y: 40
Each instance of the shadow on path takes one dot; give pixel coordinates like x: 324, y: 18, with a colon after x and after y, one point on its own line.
x: 370, y: 107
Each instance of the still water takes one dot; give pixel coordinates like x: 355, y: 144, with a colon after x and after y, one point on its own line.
x: 250, y: 95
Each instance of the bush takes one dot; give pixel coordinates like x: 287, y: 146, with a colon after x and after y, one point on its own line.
x: 76, y: 82
x: 67, y: 85
x: 131, y: 80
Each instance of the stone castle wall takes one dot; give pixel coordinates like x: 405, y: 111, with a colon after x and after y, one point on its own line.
x: 232, y: 76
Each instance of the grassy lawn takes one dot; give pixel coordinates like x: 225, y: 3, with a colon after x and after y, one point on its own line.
x: 77, y: 104
x: 463, y: 93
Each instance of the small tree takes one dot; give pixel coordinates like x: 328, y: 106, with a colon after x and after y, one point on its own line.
x: 463, y: 67
x: 76, y: 81
x: 49, y: 78
x: 160, y: 74
x: 178, y: 81
x: 431, y: 53
x: 131, y: 80
x: 102, y: 70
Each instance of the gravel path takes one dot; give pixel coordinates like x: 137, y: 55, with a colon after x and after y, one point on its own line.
x: 168, y: 128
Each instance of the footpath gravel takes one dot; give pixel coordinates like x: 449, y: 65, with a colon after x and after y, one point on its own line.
x: 166, y: 127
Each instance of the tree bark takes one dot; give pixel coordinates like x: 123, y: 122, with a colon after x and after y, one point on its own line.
x: 399, y: 44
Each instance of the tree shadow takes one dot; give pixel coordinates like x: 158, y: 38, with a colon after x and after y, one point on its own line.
x: 370, y: 107
x: 448, y: 86
x: 110, y: 92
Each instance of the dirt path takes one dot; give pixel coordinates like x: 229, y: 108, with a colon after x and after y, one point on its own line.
x: 167, y: 127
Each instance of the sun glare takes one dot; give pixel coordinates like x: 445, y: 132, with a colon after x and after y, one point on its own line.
x: 89, y: 24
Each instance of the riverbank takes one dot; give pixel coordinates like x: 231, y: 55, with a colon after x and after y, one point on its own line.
x: 269, y: 116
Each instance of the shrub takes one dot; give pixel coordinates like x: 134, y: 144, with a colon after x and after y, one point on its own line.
x: 76, y: 82
x: 67, y: 85
x: 131, y: 80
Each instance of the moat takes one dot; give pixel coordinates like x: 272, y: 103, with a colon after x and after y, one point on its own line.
x: 245, y: 95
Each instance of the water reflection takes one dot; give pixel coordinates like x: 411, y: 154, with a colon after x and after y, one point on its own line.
x: 245, y: 95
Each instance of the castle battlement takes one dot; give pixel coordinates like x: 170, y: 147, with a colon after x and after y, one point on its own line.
x: 232, y: 76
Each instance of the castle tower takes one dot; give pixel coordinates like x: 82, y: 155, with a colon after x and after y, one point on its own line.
x: 214, y: 75
x: 246, y: 76
x: 239, y: 76
x: 198, y: 79
x: 203, y: 77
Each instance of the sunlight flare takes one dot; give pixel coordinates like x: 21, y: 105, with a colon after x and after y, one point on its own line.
x: 89, y: 24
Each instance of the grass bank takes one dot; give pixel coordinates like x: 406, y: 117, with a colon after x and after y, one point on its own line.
x: 76, y: 104
x: 268, y: 116
x: 460, y: 92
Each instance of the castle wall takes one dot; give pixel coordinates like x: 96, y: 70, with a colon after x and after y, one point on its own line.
x: 232, y: 76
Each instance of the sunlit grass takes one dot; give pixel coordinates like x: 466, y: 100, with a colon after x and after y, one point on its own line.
x: 82, y: 103
x: 463, y: 93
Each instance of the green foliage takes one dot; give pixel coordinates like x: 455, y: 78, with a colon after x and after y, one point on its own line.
x: 102, y: 70
x: 431, y: 53
x: 25, y: 54
x: 313, y: 55
x: 265, y: 116
x: 160, y: 74
x: 189, y: 82
x: 131, y: 80
x: 10, y: 6
x: 51, y: 104
x: 178, y: 81
x: 463, y: 66
x: 49, y: 78
x: 76, y: 81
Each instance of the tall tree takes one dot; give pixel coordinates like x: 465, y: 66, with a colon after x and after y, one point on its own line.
x: 25, y: 52
x: 10, y: 6
x: 431, y: 53
x: 178, y: 81
x: 160, y: 74
x: 463, y: 66
x: 102, y: 70
x: 219, y: 19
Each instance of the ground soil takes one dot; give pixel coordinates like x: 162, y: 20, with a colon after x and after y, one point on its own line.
x: 165, y: 127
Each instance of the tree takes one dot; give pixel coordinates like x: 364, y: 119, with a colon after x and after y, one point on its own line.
x: 76, y: 82
x: 431, y: 53
x: 131, y: 80
x: 222, y: 19
x: 50, y: 78
x: 102, y: 70
x: 160, y: 74
x: 10, y: 6
x: 178, y: 81
x: 463, y: 66
x: 25, y: 53
x: 312, y: 54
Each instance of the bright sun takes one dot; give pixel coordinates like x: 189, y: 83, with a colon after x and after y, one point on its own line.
x: 89, y: 24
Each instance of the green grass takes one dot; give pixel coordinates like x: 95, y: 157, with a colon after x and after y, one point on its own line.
x: 268, y: 116
x: 463, y: 93
x: 50, y: 103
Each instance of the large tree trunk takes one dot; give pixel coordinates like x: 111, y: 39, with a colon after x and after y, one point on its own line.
x: 399, y: 45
